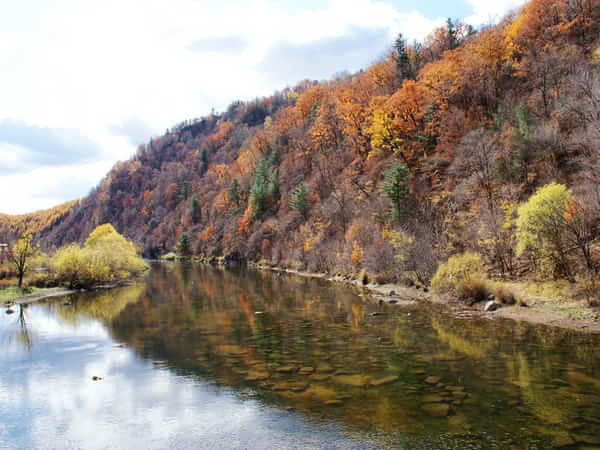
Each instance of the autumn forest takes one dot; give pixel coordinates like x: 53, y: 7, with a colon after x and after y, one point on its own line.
x: 439, y: 148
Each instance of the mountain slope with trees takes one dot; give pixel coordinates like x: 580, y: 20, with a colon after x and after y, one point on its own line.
x: 425, y: 154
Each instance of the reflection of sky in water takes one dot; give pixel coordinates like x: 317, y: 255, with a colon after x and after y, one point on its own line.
x: 49, y: 400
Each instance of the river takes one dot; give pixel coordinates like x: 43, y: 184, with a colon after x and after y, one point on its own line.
x: 197, y: 357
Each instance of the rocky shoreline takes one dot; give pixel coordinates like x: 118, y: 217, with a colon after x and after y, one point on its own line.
x: 533, y: 312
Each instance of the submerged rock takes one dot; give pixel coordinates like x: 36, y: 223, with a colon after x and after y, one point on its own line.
x: 436, y: 409
x: 287, y: 369
x: 257, y: 376
x: 459, y: 394
x: 385, y: 380
x: 455, y: 388
x: 432, y: 380
x: 432, y: 399
x: 320, y: 377
x: 291, y: 386
x: 325, y: 368
x: 353, y: 380
x: 587, y: 439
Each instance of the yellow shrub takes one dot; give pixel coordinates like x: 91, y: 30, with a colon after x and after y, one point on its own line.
x: 459, y: 267
x: 357, y: 253
x: 106, y: 257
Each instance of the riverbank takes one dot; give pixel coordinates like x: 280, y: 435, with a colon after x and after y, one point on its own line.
x: 15, y: 296
x: 541, y: 308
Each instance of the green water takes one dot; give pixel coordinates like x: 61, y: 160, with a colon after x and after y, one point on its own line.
x: 305, y: 362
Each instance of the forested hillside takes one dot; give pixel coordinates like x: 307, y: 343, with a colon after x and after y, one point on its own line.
x: 39, y: 222
x: 426, y: 153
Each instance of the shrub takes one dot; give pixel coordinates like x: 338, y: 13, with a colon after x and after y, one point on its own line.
x: 459, y: 267
x: 106, y: 257
x: 546, y: 226
x: 42, y: 280
x: 504, y: 295
x: 590, y: 288
x: 363, y: 277
x: 472, y: 290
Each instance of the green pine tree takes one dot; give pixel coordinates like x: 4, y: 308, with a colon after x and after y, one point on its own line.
x: 234, y: 194
x: 451, y: 34
x: 396, y: 190
x: 298, y: 201
x: 266, y: 184
x: 403, y: 66
x: 184, y: 245
x: 195, y: 212
x: 184, y: 190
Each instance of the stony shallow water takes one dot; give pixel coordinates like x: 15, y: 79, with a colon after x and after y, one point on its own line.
x: 202, y: 358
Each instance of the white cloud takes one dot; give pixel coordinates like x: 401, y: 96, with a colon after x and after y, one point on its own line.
x: 490, y: 11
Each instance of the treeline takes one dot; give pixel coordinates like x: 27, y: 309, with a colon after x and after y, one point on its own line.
x: 425, y: 154
x: 37, y: 222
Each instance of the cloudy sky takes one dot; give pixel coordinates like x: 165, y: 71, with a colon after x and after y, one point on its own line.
x: 83, y: 82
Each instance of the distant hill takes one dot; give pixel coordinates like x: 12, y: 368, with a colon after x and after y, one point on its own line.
x: 39, y: 222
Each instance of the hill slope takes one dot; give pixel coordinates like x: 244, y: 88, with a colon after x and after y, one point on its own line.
x: 310, y: 177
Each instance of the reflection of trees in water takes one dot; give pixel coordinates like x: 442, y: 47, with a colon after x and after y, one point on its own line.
x: 102, y: 305
x: 24, y: 332
x: 203, y: 321
x: 19, y: 331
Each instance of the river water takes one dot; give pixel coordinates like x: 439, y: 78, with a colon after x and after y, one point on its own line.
x: 198, y: 357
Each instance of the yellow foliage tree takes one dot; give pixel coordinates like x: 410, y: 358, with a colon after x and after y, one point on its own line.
x: 21, y: 253
x: 106, y: 257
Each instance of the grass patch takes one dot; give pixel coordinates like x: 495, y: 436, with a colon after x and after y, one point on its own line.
x: 12, y: 293
x: 544, y: 291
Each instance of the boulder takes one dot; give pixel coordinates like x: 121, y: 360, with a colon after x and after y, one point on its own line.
x: 491, y: 306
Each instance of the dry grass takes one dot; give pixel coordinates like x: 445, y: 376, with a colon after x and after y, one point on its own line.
x: 472, y: 290
x: 504, y: 294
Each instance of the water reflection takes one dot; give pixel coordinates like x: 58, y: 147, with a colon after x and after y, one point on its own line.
x: 18, y: 332
x: 218, y: 357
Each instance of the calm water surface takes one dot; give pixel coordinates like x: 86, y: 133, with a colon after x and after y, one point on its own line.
x: 202, y: 358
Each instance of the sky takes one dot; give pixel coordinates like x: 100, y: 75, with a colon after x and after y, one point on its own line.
x: 84, y: 82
